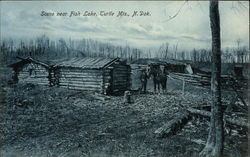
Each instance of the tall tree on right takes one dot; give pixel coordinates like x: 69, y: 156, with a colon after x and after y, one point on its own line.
x: 214, y: 145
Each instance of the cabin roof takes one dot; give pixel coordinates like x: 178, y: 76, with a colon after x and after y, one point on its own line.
x: 156, y: 61
x: 173, y: 62
x: 24, y: 61
x: 87, y: 63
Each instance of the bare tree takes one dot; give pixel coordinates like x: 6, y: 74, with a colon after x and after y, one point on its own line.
x: 175, y: 47
x: 214, y: 145
x: 237, y: 51
x: 64, y: 46
x: 194, y: 55
x: 163, y: 50
x: 166, y: 50
x: 183, y: 56
x: 149, y: 54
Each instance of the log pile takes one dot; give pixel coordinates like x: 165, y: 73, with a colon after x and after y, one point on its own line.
x: 237, y: 122
x: 199, y: 80
x: 204, y: 80
x: 176, y: 124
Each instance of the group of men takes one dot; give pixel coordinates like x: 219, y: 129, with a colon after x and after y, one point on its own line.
x: 159, y: 74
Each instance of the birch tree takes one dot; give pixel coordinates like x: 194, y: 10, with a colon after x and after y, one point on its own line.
x: 214, y: 144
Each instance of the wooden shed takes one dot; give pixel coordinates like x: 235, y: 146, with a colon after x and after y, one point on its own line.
x: 31, y: 71
x: 176, y: 66
x: 103, y: 75
x: 173, y: 65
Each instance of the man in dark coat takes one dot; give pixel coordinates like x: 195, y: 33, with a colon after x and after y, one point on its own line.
x: 144, y: 79
x: 155, y: 73
x: 164, y: 79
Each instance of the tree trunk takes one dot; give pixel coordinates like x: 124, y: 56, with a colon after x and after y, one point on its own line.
x: 214, y: 145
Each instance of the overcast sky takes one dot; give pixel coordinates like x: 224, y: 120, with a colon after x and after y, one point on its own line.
x: 190, y: 28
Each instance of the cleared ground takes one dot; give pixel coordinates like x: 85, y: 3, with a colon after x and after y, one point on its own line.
x: 41, y: 121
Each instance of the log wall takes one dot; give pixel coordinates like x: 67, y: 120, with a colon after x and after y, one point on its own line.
x: 121, y: 78
x: 80, y: 79
x: 107, y: 80
x: 33, y: 73
x: 112, y: 79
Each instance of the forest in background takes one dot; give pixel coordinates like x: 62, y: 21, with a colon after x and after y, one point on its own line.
x: 44, y: 48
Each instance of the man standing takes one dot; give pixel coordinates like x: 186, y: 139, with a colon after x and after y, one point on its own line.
x: 164, y: 79
x: 144, y: 79
x: 155, y: 73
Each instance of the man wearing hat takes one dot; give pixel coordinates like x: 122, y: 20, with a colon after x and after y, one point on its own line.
x: 144, y: 78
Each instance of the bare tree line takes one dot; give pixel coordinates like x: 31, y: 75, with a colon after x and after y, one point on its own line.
x: 44, y: 48
x: 237, y: 54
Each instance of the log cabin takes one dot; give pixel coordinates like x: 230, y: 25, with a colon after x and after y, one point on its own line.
x: 102, y: 75
x: 33, y: 71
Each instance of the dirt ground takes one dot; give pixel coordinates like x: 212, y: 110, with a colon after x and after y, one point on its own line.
x: 38, y: 121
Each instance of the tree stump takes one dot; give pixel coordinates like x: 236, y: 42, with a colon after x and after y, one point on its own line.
x: 127, y: 97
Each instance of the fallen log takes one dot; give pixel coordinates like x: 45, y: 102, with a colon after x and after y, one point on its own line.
x: 173, y: 126
x: 229, y: 120
x: 240, y: 97
x: 176, y: 124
